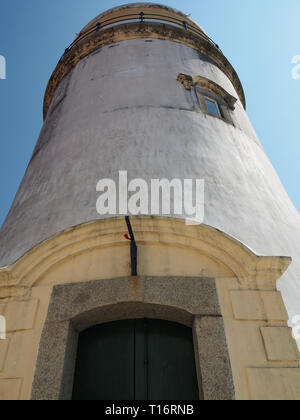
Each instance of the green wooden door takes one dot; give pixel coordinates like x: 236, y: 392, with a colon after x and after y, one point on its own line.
x: 136, y: 360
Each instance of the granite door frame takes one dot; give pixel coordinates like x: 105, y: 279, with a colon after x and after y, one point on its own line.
x: 186, y: 300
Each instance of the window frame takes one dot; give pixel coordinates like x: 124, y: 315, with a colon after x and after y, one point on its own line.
x: 207, y: 98
x: 225, y: 114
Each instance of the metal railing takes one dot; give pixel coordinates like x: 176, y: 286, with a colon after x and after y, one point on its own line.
x: 141, y: 17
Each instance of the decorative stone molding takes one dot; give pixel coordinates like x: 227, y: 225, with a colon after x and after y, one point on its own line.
x: 6, y: 277
x: 186, y: 81
x: 7, y: 292
x: 124, y: 32
x: 20, y: 315
x: 204, y: 83
x: 274, y: 384
x: 279, y: 344
x: 258, y: 306
x: 250, y: 268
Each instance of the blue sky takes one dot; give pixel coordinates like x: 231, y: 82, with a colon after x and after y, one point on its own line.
x: 259, y: 37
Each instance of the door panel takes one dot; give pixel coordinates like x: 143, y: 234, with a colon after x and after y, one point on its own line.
x: 105, y: 363
x: 171, y: 370
x: 136, y: 360
x: 141, y: 366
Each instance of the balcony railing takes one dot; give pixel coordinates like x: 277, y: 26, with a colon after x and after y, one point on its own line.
x: 142, y: 18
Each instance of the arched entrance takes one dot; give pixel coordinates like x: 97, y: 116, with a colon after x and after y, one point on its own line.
x: 143, y: 359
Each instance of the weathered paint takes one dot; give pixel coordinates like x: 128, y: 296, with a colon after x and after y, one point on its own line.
x: 122, y: 108
x: 125, y: 110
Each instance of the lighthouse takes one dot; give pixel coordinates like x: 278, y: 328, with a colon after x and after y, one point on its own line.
x: 146, y: 305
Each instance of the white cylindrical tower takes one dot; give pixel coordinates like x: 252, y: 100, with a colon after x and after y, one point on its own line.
x: 143, y: 89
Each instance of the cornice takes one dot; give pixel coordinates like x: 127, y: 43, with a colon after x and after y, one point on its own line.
x: 122, y: 32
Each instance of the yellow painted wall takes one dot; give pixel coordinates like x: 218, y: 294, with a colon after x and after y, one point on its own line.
x: 264, y: 356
